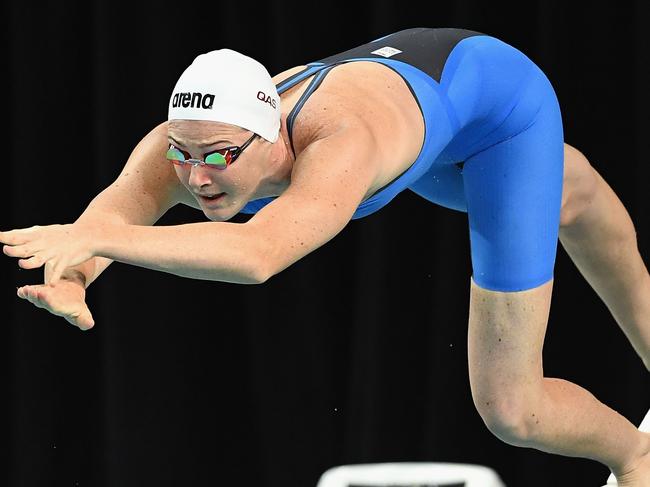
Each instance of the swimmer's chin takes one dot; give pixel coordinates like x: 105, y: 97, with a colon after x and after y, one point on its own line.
x: 218, y: 218
x: 222, y: 214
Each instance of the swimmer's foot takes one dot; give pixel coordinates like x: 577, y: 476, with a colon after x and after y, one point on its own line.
x: 637, y: 474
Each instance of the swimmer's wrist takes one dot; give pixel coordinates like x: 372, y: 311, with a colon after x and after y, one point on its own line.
x: 74, y: 275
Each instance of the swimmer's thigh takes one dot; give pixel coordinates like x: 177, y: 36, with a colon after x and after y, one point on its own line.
x: 513, y: 192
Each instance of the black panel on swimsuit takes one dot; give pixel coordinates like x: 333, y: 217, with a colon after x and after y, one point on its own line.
x: 425, y: 48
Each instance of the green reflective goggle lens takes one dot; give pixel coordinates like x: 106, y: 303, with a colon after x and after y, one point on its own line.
x: 214, y: 159
x: 174, y: 155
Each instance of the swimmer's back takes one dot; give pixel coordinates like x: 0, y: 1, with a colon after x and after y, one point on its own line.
x: 390, y: 85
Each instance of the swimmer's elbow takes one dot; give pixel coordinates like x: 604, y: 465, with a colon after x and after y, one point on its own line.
x: 263, y: 278
x: 256, y: 274
x: 266, y: 268
x: 261, y: 271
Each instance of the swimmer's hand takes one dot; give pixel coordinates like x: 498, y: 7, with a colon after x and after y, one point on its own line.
x: 59, y: 246
x: 66, y: 298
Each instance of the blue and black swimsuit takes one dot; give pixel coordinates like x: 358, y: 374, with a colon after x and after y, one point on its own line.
x: 493, y: 145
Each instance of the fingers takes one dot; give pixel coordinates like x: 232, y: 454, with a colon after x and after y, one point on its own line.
x: 56, y: 273
x: 16, y: 241
x: 37, y: 295
x: 22, y: 292
x: 18, y: 236
x: 28, y: 260
x: 16, y: 250
x: 27, y: 292
x: 31, y: 263
x: 25, y: 252
x: 85, y: 324
x: 31, y: 294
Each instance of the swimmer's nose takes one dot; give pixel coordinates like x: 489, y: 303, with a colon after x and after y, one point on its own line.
x: 200, y: 178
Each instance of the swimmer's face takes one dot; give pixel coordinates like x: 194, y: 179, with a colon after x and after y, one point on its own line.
x: 238, y: 181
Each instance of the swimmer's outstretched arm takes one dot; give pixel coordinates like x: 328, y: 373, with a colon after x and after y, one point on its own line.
x: 146, y: 188
x: 329, y: 180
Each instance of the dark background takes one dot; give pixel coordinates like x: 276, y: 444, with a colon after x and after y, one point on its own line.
x: 357, y: 353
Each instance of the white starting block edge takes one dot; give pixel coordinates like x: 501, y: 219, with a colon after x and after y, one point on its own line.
x: 405, y: 473
x: 645, y: 426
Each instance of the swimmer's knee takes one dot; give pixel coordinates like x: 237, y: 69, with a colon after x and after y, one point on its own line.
x: 502, y: 408
x: 579, y: 185
x: 504, y: 419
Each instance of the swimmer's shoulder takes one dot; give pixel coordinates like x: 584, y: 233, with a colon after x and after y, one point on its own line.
x: 360, y: 94
x: 323, y: 113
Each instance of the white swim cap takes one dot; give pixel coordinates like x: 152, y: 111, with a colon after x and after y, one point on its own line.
x: 227, y: 86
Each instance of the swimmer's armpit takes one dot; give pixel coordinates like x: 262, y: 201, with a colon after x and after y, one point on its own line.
x: 329, y: 180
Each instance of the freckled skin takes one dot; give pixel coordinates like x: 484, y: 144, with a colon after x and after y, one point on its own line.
x: 523, y: 407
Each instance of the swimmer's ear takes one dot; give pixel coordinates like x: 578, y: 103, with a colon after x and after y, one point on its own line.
x: 330, y: 178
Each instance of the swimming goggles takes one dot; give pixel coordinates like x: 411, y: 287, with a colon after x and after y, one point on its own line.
x: 216, y: 159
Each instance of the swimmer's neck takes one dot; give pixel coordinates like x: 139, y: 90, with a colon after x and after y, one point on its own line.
x: 277, y: 166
